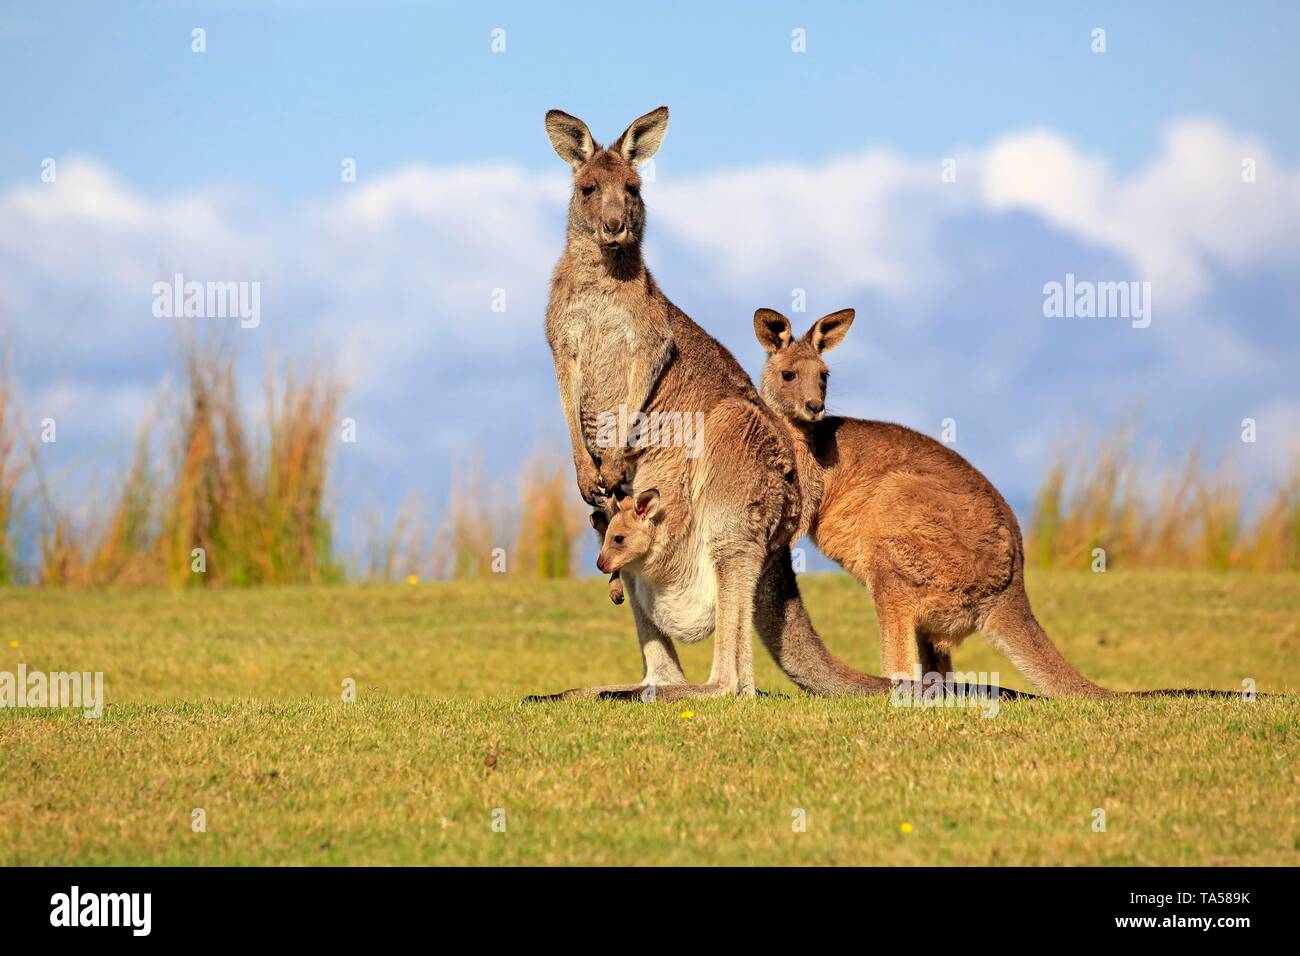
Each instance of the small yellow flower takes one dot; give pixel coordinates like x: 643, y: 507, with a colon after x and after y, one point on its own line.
x: 13, y: 643
x: 905, y: 827
x: 412, y: 579
x: 687, y: 714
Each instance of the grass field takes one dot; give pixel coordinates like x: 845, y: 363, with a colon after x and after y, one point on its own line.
x: 229, y: 701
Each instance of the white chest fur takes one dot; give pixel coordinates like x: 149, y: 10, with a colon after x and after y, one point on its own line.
x: 594, y: 322
x: 685, y: 608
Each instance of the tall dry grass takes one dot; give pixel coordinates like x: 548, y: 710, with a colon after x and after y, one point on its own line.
x: 11, y: 472
x: 248, y: 500
x: 536, y: 535
x: 214, y: 506
x: 1191, y: 516
x: 124, y: 552
x: 470, y: 542
x: 396, y: 551
x: 551, y: 518
x: 210, y: 499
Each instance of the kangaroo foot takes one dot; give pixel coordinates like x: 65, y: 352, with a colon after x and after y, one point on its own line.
x: 650, y: 693
x: 966, y: 691
x: 583, y: 693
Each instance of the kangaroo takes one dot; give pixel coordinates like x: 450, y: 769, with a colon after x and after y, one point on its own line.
x: 601, y: 295
x: 930, y: 537
x: 731, y: 510
x: 631, y: 534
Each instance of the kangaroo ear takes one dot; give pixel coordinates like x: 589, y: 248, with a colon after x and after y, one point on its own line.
x: 772, y: 329
x: 647, y: 504
x: 829, y: 331
x: 641, y: 140
x: 570, y: 137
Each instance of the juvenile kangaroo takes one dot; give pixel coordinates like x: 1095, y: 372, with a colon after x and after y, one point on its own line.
x: 731, y: 510
x: 923, y: 529
x: 639, y: 539
x: 630, y: 536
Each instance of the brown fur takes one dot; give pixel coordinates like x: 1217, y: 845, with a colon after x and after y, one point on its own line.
x: 925, y: 531
x: 630, y: 536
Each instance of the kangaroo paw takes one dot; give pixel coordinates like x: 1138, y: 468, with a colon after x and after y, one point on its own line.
x: 582, y: 693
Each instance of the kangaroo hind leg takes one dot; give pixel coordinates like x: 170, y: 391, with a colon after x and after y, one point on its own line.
x: 900, y: 657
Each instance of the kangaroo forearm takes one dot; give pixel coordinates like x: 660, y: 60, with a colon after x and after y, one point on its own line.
x: 566, y: 377
x: 644, y: 375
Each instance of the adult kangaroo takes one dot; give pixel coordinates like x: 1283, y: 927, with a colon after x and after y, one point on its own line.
x: 931, y: 538
x: 733, y: 497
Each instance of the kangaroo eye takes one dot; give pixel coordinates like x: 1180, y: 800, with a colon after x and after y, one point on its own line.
x: 588, y: 190
x: 824, y: 377
x: 787, y: 376
x: 633, y: 190
x: 618, y: 539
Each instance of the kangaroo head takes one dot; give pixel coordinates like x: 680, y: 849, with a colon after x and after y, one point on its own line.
x: 606, y: 203
x: 631, y: 532
x: 794, y: 377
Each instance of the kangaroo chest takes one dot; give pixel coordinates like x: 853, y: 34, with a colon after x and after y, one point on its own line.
x: 811, y: 484
x: 684, y: 608
x: 605, y: 338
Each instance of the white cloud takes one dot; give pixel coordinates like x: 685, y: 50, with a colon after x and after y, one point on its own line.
x: 857, y: 221
x: 1184, y: 213
x: 393, y: 276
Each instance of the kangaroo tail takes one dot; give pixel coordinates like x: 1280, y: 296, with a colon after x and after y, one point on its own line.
x: 1190, y: 692
x: 1013, y: 629
x: 783, y: 625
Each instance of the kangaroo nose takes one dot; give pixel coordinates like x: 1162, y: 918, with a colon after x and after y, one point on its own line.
x: 814, y: 408
x: 613, y: 226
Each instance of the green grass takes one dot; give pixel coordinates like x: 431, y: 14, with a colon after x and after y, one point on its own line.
x: 230, y: 701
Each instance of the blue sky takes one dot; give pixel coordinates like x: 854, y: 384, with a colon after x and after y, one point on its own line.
x: 286, y: 86
x: 817, y: 171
